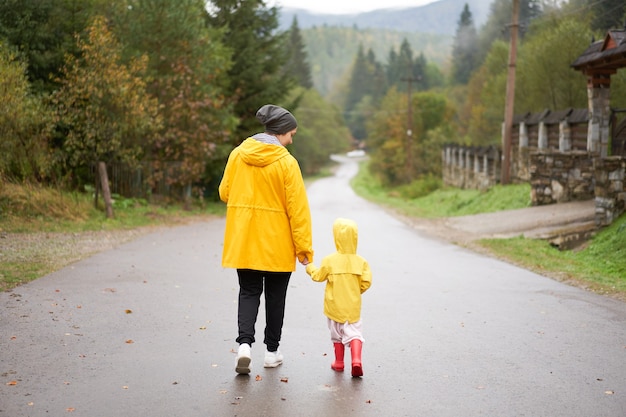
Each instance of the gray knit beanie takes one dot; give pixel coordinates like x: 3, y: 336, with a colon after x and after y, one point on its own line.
x: 276, y: 119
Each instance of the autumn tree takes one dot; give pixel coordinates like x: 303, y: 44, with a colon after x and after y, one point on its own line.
x: 397, y: 157
x: 103, y: 105
x: 187, y: 71
x: 25, y: 122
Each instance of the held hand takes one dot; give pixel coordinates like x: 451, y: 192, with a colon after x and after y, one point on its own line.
x: 305, y: 262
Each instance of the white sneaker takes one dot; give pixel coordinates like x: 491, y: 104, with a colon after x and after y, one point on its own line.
x: 273, y: 359
x: 243, y: 359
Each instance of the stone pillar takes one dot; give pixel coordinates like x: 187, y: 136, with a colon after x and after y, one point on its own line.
x: 599, y: 118
x: 523, y: 135
x: 542, y: 136
x: 565, y: 137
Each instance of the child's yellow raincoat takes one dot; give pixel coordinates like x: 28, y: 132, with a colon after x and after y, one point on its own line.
x: 347, y: 273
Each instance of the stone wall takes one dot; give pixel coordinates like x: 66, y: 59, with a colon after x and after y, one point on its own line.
x: 470, y: 167
x: 610, y: 194
x: 558, y: 177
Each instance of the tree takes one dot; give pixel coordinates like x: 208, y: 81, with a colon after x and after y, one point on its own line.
x: 367, y: 82
x: 398, y: 158
x: 104, y: 106
x: 401, y: 66
x: 321, y: 132
x: 43, y: 31
x: 25, y: 122
x: 187, y: 71
x: 298, y: 66
x: 499, y: 20
x: 545, y: 77
x: 485, y: 98
x: 465, y: 48
x: 606, y: 14
x: 257, y: 75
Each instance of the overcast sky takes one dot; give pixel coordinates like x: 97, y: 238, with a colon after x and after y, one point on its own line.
x: 346, y: 6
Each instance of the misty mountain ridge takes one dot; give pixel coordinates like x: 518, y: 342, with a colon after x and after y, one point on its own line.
x: 439, y: 17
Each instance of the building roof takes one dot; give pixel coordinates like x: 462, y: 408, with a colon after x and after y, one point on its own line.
x: 609, y: 53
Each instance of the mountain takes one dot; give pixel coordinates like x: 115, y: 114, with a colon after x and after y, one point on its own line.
x: 439, y: 17
x: 331, y: 50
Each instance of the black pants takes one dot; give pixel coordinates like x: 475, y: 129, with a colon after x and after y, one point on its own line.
x: 251, y: 285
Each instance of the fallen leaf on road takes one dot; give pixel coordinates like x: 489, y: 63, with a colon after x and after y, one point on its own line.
x: 12, y: 383
x: 609, y: 392
x: 13, y: 337
x: 130, y: 341
x: 129, y: 311
x: 31, y: 403
x: 203, y: 328
x: 125, y: 387
x: 284, y: 379
x: 259, y: 378
x: 70, y: 409
x: 368, y: 402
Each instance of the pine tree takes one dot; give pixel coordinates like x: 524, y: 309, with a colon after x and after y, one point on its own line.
x: 367, y: 83
x: 298, y: 66
x: 257, y: 76
x: 43, y: 31
x: 402, y: 66
x: 465, y: 48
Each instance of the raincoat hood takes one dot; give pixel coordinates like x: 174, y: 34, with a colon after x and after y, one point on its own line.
x: 256, y: 153
x: 346, y: 235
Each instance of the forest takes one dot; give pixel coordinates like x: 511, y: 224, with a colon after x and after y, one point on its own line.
x: 153, y: 94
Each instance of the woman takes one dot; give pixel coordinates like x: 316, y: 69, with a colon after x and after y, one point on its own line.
x: 268, y: 227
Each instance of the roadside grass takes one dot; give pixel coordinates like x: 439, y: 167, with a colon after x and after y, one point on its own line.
x: 443, y: 202
x: 27, y: 208
x: 42, y: 228
x: 599, y: 265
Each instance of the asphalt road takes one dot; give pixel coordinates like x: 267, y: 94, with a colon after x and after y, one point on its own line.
x: 148, y: 329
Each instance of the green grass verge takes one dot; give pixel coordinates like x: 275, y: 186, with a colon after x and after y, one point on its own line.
x: 443, y: 202
x: 599, y: 266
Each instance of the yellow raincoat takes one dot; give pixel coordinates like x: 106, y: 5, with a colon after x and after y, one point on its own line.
x: 348, y: 275
x: 268, y: 222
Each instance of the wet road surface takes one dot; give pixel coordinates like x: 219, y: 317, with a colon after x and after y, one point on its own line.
x: 148, y: 329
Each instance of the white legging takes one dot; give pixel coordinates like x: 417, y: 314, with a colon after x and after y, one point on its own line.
x: 345, y: 332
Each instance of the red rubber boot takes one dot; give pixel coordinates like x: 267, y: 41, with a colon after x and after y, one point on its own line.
x: 355, y: 350
x: 337, y: 365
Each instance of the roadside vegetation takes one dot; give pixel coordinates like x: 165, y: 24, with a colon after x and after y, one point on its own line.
x: 599, y: 265
x: 43, y: 229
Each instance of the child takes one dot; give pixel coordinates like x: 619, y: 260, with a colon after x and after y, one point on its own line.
x: 347, y: 276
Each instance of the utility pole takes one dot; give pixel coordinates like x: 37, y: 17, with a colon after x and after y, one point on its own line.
x: 409, y: 132
x: 510, y: 99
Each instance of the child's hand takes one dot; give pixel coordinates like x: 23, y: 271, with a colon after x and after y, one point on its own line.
x: 305, y: 262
